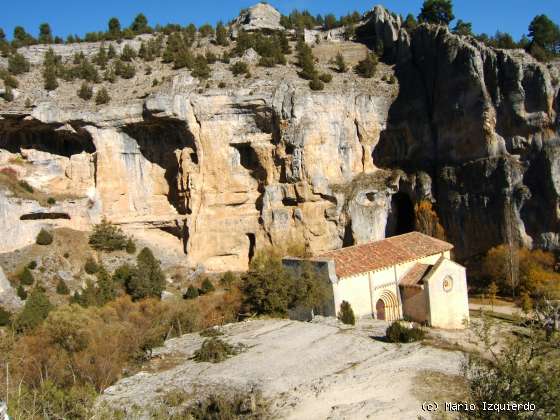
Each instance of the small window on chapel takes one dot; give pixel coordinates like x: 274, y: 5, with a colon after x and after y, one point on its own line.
x: 448, y: 283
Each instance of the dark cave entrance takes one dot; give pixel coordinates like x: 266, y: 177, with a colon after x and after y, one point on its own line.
x: 401, y: 217
x: 252, y: 244
x: 348, y: 239
x: 249, y: 160
x: 16, y: 135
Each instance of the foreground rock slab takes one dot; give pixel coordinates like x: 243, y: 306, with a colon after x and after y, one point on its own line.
x: 312, y: 370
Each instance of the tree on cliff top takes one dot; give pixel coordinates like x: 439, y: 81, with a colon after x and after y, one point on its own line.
x: 545, y: 33
x: 439, y: 12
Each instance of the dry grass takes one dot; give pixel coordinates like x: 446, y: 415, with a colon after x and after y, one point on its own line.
x: 431, y: 385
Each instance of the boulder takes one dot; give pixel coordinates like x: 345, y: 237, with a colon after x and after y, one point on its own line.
x: 261, y: 16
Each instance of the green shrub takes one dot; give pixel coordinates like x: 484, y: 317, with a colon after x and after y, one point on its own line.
x: 122, y: 275
x: 91, y: 266
x: 102, y: 97
x: 49, y: 78
x: 316, y: 84
x: 239, y: 68
x: 191, y: 293
x: 51, y: 201
x: 107, y: 237
x: 346, y: 314
x: 23, y: 184
x: 26, y: 277
x: 44, y: 238
x: 5, y: 317
x: 36, y: 309
x: 18, y: 64
x: 62, y: 288
x: 9, y: 94
x: 222, y: 85
x: 128, y: 53
x: 10, y: 81
x: 398, y: 333
x: 206, y: 287
x: 22, y: 294
x: 211, y: 332
x: 125, y: 70
x: 325, y: 77
x: 32, y: 265
x: 228, y: 279
x: 269, y: 288
x: 214, y: 350
x: 130, y: 246
x: 85, y: 92
x: 341, y: 66
x: 367, y: 67
x: 200, y: 70
x: 146, y: 279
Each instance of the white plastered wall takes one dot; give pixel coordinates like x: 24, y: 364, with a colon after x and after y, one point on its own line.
x: 447, y: 309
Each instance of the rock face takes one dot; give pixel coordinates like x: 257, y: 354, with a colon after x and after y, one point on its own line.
x: 8, y: 296
x: 226, y: 172
x: 262, y: 16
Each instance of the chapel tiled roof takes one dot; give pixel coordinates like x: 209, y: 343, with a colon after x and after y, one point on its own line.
x: 385, y: 253
x: 414, y: 275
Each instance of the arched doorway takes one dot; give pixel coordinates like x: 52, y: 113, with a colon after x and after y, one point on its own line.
x: 387, y: 307
x: 380, y: 309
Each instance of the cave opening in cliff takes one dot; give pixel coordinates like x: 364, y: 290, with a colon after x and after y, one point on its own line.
x: 159, y: 141
x: 249, y: 160
x: 16, y: 136
x: 401, y: 216
x: 348, y: 239
x: 252, y: 245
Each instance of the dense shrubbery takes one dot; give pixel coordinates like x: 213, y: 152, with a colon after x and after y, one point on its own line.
x: 44, y: 238
x: 367, y: 67
x: 26, y: 277
x: 36, y: 309
x: 271, y: 289
x: 107, y: 237
x: 239, y: 67
x: 533, y: 271
x: 5, y: 317
x: 398, y: 333
x: 214, y: 350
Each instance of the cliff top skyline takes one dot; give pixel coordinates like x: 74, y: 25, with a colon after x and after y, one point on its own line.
x: 68, y: 18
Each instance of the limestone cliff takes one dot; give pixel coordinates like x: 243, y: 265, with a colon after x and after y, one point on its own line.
x: 228, y: 171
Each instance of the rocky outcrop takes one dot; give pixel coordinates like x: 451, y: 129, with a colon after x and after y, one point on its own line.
x: 483, y: 122
x: 8, y: 296
x: 261, y: 16
x: 226, y: 172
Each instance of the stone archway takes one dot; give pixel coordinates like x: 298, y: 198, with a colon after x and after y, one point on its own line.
x: 387, y: 307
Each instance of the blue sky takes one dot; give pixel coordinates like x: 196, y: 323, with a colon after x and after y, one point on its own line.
x: 71, y: 16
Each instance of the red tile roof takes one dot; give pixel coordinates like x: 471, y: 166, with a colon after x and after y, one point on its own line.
x: 373, y: 256
x: 415, y: 275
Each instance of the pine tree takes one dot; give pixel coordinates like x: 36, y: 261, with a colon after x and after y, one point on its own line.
x: 140, y: 24
x: 306, y: 61
x: 439, y: 12
x: 128, y: 53
x: 85, y: 92
x: 44, y: 238
x: 146, y: 279
x: 101, y: 59
x: 106, y: 291
x: 18, y: 64
x: 201, y: 70
x: 36, y: 309
x: 45, y: 34
x: 367, y: 67
x: 26, y: 277
x: 346, y: 314
x: 341, y: 66
x: 111, y: 52
x: 114, y: 27
x: 191, y: 293
x: 221, y: 34
x: 62, y: 288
